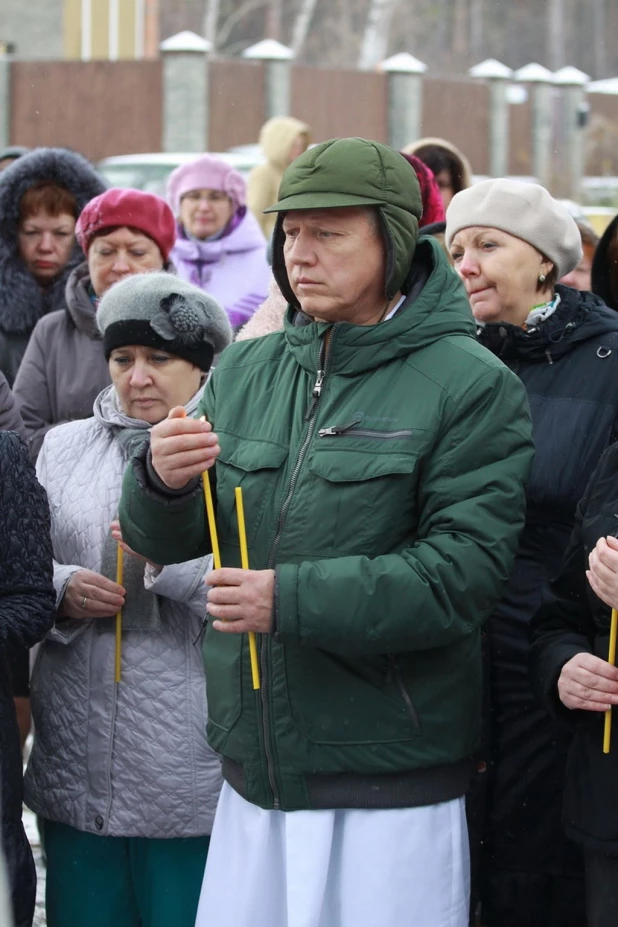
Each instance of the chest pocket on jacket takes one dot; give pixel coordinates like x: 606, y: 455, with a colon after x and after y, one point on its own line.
x: 256, y: 467
x: 366, y: 501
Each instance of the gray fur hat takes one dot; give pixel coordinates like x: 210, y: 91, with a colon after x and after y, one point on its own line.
x: 525, y: 210
x: 158, y: 310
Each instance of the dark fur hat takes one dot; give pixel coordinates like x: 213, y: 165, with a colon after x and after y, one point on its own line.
x: 22, y: 302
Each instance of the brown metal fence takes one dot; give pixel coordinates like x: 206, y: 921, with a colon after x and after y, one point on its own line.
x: 236, y: 96
x: 459, y: 111
x: 104, y: 108
x: 520, y: 139
x: 97, y: 107
x: 341, y: 103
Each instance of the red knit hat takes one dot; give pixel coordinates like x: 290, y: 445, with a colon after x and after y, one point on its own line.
x: 433, y: 207
x: 134, y: 208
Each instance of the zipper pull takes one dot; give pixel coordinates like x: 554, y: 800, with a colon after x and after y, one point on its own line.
x: 338, y: 429
x: 315, y: 394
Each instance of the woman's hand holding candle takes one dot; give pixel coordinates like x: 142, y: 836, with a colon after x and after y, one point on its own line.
x: 241, y: 600
x: 603, y: 572
x: 90, y: 595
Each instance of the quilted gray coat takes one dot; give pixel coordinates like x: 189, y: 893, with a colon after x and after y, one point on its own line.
x: 128, y: 759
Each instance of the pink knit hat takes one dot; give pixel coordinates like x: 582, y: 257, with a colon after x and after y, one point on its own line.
x: 205, y: 173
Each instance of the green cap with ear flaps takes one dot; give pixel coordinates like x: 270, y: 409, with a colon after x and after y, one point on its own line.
x: 354, y: 172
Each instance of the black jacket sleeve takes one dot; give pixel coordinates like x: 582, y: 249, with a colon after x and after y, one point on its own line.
x: 27, y: 597
x: 10, y: 418
x: 564, y: 624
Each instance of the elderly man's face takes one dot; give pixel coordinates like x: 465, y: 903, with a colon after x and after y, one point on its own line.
x: 336, y: 260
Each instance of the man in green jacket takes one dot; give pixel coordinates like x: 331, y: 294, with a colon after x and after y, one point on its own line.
x: 382, y: 455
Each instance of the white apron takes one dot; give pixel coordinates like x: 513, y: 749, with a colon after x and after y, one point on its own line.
x: 396, y: 868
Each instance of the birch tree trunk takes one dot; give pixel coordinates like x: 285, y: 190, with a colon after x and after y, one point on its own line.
x: 302, y: 24
x: 273, y: 19
x: 599, y: 20
x: 476, y: 30
x: 374, y: 45
x: 211, y: 21
x: 556, y: 33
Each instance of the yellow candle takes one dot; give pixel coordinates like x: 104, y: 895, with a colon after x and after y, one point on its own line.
x: 212, y: 525
x: 118, y: 660
x: 611, y: 659
x: 244, y: 562
x: 210, y: 514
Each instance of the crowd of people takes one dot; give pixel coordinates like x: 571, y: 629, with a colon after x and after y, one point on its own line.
x: 388, y: 706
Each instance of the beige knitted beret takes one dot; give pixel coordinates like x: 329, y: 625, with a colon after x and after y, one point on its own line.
x: 525, y: 210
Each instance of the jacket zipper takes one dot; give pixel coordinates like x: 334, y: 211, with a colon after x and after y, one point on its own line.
x: 338, y: 430
x: 412, y: 712
x: 310, y: 417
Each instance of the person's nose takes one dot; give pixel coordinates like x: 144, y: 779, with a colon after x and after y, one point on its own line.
x: 121, y: 264
x: 140, y: 375
x: 468, y: 266
x: 300, y: 250
x: 46, y: 243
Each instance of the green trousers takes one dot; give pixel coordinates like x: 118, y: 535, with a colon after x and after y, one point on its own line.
x: 121, y: 881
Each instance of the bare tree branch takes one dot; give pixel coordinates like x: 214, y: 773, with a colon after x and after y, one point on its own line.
x: 230, y: 23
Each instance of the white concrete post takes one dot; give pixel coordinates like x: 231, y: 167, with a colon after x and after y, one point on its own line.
x: 498, y: 75
x: 277, y: 61
x: 541, y: 81
x: 185, y: 92
x: 405, y: 98
x: 574, y: 115
x: 5, y: 100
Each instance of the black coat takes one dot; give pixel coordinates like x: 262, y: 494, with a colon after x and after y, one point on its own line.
x: 573, y: 620
x: 569, y: 366
x: 27, y: 602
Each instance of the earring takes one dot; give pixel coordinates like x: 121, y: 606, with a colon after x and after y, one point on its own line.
x: 541, y: 278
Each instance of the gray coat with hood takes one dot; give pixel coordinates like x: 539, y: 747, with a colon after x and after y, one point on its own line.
x: 129, y: 759
x: 64, y: 367
x: 22, y: 301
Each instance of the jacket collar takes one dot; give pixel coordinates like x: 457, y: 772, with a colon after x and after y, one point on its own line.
x: 579, y: 317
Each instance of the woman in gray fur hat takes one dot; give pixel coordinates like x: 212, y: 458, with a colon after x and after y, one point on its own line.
x: 120, y: 770
x: 41, y: 196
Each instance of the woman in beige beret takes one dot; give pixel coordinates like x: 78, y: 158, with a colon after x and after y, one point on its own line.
x: 510, y: 242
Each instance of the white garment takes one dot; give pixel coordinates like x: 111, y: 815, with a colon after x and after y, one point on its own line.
x: 396, y: 868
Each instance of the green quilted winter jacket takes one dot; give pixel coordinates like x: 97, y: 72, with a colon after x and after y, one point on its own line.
x: 383, y: 479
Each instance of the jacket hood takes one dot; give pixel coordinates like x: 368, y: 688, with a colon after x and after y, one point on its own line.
x: 246, y: 236
x: 277, y: 136
x: 465, y: 170
x: 436, y: 307
x: 22, y: 300
x: 580, y: 317
x: 604, y: 268
x: 354, y: 172
x: 79, y: 305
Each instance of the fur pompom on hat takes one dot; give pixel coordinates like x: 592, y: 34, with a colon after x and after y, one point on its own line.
x: 206, y: 173
x: 160, y: 311
x: 133, y: 208
x: 525, y: 210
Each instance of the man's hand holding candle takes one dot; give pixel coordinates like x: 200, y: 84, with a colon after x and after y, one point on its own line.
x: 182, y: 448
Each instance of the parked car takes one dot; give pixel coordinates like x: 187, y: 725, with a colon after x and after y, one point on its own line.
x: 150, y: 171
